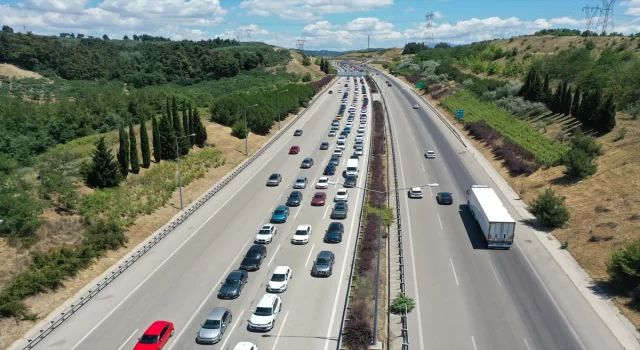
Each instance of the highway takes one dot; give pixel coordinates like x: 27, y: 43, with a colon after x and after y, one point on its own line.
x: 179, y: 279
x: 468, y: 297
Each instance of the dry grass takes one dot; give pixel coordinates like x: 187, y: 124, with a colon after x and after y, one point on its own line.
x: 295, y: 66
x: 11, y: 71
x: 605, y: 206
x: 59, y: 230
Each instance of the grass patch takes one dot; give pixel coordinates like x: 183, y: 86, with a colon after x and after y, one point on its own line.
x: 517, y: 131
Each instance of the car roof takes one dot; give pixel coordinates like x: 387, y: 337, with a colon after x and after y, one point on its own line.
x: 266, y: 226
x: 341, y: 203
x: 281, y: 269
x: 335, y: 224
x: 324, y: 178
x: 303, y: 227
x: 320, y: 194
x: 281, y: 206
x: 307, y: 160
x: 445, y: 194
x: 295, y: 193
x: 236, y: 274
x: 256, y: 247
x: 431, y: 152
x: 416, y: 189
x: 244, y: 345
x: 301, y: 178
x: 156, y: 327
x: 216, y: 313
x: 275, y: 175
x: 267, y: 300
x: 324, y: 254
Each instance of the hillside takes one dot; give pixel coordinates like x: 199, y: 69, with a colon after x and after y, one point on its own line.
x: 295, y: 66
x: 531, y: 143
x: 377, y: 54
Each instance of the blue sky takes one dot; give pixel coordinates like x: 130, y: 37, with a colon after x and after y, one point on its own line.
x: 324, y: 24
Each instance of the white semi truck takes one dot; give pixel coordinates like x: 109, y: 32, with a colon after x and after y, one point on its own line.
x: 494, y: 220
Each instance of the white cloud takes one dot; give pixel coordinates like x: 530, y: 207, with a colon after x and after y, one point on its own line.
x: 437, y: 15
x: 252, y: 31
x: 410, y: 9
x: 633, y: 7
x: 55, y: 5
x: 165, y: 8
x: 308, y: 10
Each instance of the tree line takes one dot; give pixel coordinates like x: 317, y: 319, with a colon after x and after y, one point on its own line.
x: 175, y: 134
x: 147, y: 62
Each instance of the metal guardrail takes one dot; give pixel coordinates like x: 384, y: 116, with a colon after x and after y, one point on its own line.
x: 403, y: 317
x: 346, y: 308
x: 36, y: 338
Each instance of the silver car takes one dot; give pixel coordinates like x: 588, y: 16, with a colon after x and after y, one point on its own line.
x: 301, y: 182
x: 213, y: 328
x: 323, y: 266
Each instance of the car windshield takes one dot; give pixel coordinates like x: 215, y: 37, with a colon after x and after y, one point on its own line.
x: 340, y: 205
x: 149, y: 339
x: 273, y: 177
x: 279, y: 212
x: 232, y: 282
x: 211, y: 324
x: 278, y: 277
x: 301, y: 233
x: 322, y: 261
x: 319, y: 196
x: 264, y: 232
x: 342, y: 193
x: 263, y: 311
x: 446, y: 195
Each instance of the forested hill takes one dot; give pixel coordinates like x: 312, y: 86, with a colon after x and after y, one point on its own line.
x: 139, y: 63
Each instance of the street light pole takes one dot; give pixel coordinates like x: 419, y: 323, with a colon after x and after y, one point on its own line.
x: 179, y: 170
x: 279, y: 107
x: 246, y: 130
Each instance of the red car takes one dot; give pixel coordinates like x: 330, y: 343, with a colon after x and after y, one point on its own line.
x: 294, y: 150
x: 319, y: 198
x: 156, y: 336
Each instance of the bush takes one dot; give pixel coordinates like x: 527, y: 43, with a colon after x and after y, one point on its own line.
x: 357, y: 334
x: 624, y: 265
x: 579, y: 165
x: 402, y: 303
x: 521, y: 107
x: 586, y: 143
x: 239, y: 129
x: 550, y: 209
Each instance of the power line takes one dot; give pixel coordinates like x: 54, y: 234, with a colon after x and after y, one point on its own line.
x: 428, y: 33
x: 605, y: 22
x: 300, y: 44
x: 591, y: 12
x: 249, y: 34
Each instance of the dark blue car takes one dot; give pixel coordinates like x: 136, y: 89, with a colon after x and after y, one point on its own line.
x: 329, y: 170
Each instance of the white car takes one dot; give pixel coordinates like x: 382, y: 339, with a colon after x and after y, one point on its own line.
x: 416, y: 107
x: 358, y: 151
x: 265, y: 313
x: 342, y: 137
x: 323, y: 183
x: 340, y: 147
x: 360, y: 138
x: 349, y: 125
x: 245, y: 345
x: 265, y: 234
x: 280, y: 279
x: 361, y: 128
x: 430, y: 154
x: 337, y: 153
x: 332, y: 133
x: 416, y: 192
x: 342, y: 195
x: 302, y: 235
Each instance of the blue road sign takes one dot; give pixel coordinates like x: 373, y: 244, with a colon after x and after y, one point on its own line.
x: 460, y: 113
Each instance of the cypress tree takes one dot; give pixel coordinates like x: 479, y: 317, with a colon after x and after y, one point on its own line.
x: 133, y: 150
x: 167, y: 138
x: 546, y: 90
x: 174, y: 113
x: 556, y: 100
x: 169, y: 110
x: 588, y: 107
x: 144, y: 142
x: 104, y: 171
x: 157, y: 149
x: 575, y: 104
x: 178, y: 129
x: 192, y: 128
x: 123, y: 152
x: 186, y: 123
x: 566, y: 107
x: 524, y: 90
x: 200, y: 130
x: 606, y: 116
x: 563, y: 94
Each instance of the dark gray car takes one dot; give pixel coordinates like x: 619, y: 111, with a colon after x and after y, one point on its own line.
x: 340, y: 210
x: 350, y: 181
x: 306, y: 163
x: 295, y: 198
x: 323, y: 266
x: 213, y: 328
x: 254, y: 257
x: 233, y: 284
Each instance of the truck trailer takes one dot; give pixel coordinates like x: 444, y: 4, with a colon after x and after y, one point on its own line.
x: 494, y: 219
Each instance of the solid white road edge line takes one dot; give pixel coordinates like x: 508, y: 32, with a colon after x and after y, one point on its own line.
x: 275, y: 343
x: 413, y: 260
x: 175, y: 251
x: 215, y: 287
x: 228, y: 336
x: 495, y: 274
x: 274, y: 255
x: 126, y: 341
x: 526, y: 343
x: 473, y: 340
x: 309, y: 257
x: 453, y: 268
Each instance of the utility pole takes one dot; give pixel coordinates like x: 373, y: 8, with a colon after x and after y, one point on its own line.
x: 591, y: 12
x: 605, y: 21
x: 428, y: 40
x: 238, y: 34
x: 300, y: 44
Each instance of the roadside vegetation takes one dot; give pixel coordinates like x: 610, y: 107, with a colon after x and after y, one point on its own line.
x: 557, y: 114
x: 358, y: 330
x: 87, y: 167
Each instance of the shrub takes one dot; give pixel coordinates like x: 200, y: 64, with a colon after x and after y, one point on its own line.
x: 586, y: 143
x: 579, y: 164
x: 624, y: 265
x: 550, y: 209
x: 521, y: 107
x: 239, y: 129
x: 357, y: 334
x: 402, y: 303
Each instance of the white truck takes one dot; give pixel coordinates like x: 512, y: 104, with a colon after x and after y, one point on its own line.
x: 494, y: 220
x: 352, y: 167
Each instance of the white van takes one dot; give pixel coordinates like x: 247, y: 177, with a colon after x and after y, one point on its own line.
x: 352, y: 167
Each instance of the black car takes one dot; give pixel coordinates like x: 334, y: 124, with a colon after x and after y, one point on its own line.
x: 297, y: 132
x: 444, y: 198
x: 324, y: 145
x: 233, y: 284
x: 306, y: 163
x: 334, y: 232
x: 329, y: 170
x: 350, y: 181
x: 334, y: 161
x: 295, y: 198
x: 254, y: 257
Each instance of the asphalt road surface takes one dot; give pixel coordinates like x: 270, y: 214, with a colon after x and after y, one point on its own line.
x: 179, y: 279
x: 469, y: 297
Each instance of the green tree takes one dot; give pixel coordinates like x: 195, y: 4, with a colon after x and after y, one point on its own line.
x: 104, y: 171
x: 524, y: 90
x: 575, y: 104
x: 624, y: 266
x: 239, y: 129
x: 556, y: 101
x: 547, y: 94
x: 401, y: 304
x: 579, y: 165
x: 157, y: 148
x: 59, y: 189
x: 144, y: 142
x: 167, y: 138
x: 123, y: 152
x: 19, y: 210
x: 606, y: 116
x: 178, y: 129
x: 200, y: 129
x: 586, y: 143
x: 186, y: 123
x: 192, y: 130
x: 133, y: 150
x: 566, y: 101
x: 550, y: 209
